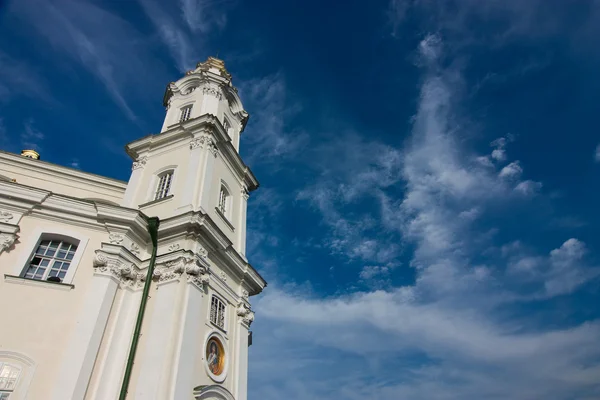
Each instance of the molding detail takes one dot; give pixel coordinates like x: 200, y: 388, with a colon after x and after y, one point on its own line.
x: 245, y: 295
x: 115, y: 238
x: 174, y: 247
x: 6, y: 241
x: 5, y: 216
x: 246, y: 314
x: 223, y: 276
x: 139, y: 163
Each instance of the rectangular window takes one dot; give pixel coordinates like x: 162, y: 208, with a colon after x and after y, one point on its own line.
x: 217, y: 312
x: 185, y: 113
x: 164, y: 185
x: 52, y: 258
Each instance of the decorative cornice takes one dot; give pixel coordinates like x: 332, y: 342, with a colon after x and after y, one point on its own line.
x: 139, y: 163
x: 6, y: 241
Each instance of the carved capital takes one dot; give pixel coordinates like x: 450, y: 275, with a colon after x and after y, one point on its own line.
x: 212, y: 91
x: 245, y: 194
x: 6, y: 241
x: 126, y: 273
x: 139, y: 163
x: 245, y: 313
x: 204, y: 141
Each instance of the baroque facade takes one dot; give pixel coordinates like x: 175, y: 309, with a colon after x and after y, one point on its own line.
x: 79, y: 252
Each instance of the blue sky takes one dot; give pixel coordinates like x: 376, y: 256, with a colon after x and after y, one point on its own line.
x: 428, y: 211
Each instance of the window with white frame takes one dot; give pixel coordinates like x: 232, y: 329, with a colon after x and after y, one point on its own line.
x: 217, y: 312
x: 51, y: 259
x: 224, y: 200
x: 163, y: 188
x: 9, y: 376
x: 185, y: 113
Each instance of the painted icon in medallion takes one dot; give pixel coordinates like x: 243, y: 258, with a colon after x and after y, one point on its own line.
x: 215, y: 356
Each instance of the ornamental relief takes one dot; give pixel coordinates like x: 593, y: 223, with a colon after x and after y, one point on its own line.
x: 6, y: 241
x: 139, y: 163
x: 5, y: 216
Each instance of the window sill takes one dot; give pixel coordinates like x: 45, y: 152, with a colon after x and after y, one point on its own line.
x: 215, y: 326
x: 36, y: 282
x: 225, y: 219
x: 151, y: 203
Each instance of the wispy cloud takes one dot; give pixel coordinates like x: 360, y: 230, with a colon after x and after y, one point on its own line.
x: 107, y: 46
x: 269, y: 134
x: 18, y: 78
x: 597, y: 154
x: 457, y: 331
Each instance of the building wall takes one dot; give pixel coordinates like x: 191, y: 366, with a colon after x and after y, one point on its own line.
x: 59, y: 179
x: 41, y: 324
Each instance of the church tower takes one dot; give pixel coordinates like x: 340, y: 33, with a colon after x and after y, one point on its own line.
x: 195, y: 335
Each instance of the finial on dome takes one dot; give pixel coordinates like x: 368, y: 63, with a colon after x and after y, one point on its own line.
x: 30, y: 154
x: 214, y: 65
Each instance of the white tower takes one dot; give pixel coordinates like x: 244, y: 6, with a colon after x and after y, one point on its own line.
x: 190, y: 175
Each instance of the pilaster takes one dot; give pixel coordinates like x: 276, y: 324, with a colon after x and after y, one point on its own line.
x: 137, y: 170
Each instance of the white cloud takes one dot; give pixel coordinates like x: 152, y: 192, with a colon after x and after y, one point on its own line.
x: 201, y: 15
x: 597, y: 154
x: 528, y: 187
x: 373, y: 271
x: 511, y: 171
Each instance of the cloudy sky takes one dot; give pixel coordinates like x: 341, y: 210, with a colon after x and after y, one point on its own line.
x: 428, y: 212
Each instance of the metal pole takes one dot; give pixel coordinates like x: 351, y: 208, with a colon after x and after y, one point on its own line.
x: 153, y: 224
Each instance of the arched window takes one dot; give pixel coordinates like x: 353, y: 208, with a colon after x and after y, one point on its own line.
x: 224, y: 202
x: 51, y: 260
x: 163, y: 188
x: 9, y: 377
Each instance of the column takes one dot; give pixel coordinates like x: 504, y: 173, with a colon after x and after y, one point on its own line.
x: 153, y: 357
x: 84, y: 342
x: 245, y: 318
x: 187, y: 202
x: 112, y: 369
x: 206, y: 180
x: 137, y: 170
x: 241, y: 245
x: 189, y: 342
